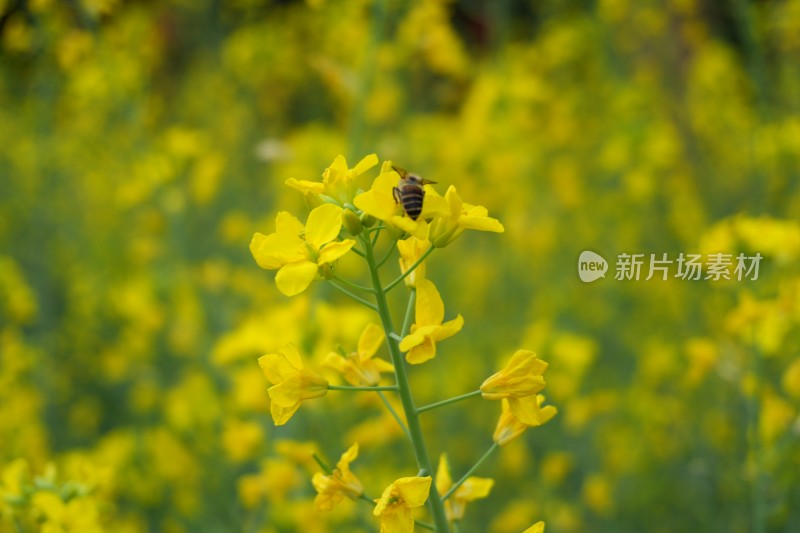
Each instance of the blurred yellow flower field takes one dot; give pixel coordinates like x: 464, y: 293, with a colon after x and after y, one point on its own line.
x: 210, y: 321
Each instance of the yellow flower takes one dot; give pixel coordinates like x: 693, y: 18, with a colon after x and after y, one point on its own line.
x: 521, y: 377
x: 447, y: 226
x: 474, y: 488
x: 517, y: 382
x: 291, y: 383
x: 411, y: 250
x: 394, y: 506
x: 420, y: 344
x: 342, y: 482
x: 538, y: 527
x: 359, y: 367
x: 379, y: 202
x: 509, y: 426
x: 338, y: 181
x: 298, y: 252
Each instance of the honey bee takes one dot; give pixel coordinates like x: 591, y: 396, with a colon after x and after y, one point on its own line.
x: 409, y: 192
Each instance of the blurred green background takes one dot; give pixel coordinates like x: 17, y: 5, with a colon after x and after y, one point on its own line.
x: 144, y: 142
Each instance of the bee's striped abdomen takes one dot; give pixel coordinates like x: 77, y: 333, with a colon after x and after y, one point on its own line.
x: 412, y: 196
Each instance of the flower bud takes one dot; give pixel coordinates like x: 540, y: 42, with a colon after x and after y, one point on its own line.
x: 368, y: 220
x: 351, y: 222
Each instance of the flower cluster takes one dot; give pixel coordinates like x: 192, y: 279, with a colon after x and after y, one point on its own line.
x: 348, y: 218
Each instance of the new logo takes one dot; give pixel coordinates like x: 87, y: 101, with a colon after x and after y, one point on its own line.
x: 591, y: 266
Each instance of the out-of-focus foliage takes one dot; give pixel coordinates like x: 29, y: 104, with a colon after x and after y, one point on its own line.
x: 144, y: 142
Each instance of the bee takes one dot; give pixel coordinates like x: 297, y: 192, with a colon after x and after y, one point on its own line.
x: 409, y: 192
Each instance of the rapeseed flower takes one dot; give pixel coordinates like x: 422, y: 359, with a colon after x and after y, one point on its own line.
x: 398, y: 499
x: 338, y: 181
x: 538, y: 527
x: 291, y: 383
x: 510, y: 426
x: 451, y: 222
x: 518, y: 381
x: 474, y: 488
x: 331, y: 489
x: 361, y: 367
x: 298, y: 251
x: 428, y: 329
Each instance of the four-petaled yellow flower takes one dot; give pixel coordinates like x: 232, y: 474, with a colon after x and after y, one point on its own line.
x: 509, y: 426
x: 395, y: 505
x: 428, y: 329
x: 379, y: 201
x: 446, y: 227
x: 291, y: 383
x: 331, y: 489
x: 518, y: 381
x: 411, y: 250
x: 538, y: 527
x: 474, y: 488
x: 338, y: 181
x: 360, y: 367
x: 298, y: 252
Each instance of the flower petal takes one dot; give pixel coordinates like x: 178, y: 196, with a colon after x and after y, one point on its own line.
x: 294, y: 278
x: 429, y: 306
x: 303, y: 185
x: 286, y: 222
x: 528, y: 410
x: 334, y: 250
x: 281, y: 415
x: 365, y: 164
x: 398, y: 520
x: 276, y: 249
x: 433, y: 204
x: 448, y: 329
x: 323, y: 224
x: 276, y: 367
x: 474, y: 488
x: 348, y: 457
x: 369, y: 342
x: 443, y: 479
x: 379, y: 200
x: 416, y: 228
x: 292, y: 354
x: 481, y: 224
x: 422, y: 353
x: 454, y: 201
x: 413, y: 490
x: 538, y: 527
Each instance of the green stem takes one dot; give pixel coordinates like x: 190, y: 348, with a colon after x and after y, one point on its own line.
x: 394, y: 414
x: 448, y: 401
x: 353, y: 285
x: 412, y: 301
x: 358, y: 388
x: 424, y: 525
x: 375, y: 237
x: 358, y: 252
x: 322, y: 464
x: 471, y: 471
x: 359, y: 299
x: 404, y: 391
x: 409, y: 271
